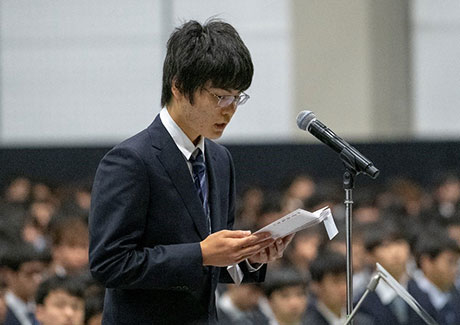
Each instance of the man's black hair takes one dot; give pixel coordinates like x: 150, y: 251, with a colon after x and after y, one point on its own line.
x: 198, y: 54
x: 15, y: 255
x: 433, y: 243
x: 280, y: 278
x: 73, y: 286
x: 327, y: 262
x: 380, y: 232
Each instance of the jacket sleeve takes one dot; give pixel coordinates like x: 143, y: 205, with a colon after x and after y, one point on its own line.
x: 119, y: 208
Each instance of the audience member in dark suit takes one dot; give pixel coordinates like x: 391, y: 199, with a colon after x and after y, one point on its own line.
x: 22, y: 268
x: 163, y: 201
x: 387, y: 245
x: 240, y: 305
x: 437, y: 257
x: 286, y: 297
x: 329, y: 287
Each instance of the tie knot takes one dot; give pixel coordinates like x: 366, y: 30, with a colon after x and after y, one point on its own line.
x: 197, y: 161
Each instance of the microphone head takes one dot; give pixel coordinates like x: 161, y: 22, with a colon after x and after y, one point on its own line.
x: 304, y: 119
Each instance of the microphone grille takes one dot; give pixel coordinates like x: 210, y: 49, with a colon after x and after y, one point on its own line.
x: 304, y: 119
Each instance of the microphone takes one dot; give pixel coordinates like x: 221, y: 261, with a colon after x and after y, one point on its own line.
x: 352, y: 158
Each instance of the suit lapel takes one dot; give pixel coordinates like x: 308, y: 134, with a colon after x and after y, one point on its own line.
x: 175, y: 165
x: 211, y: 163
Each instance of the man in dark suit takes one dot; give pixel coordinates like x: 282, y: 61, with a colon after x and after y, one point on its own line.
x: 163, y: 201
x: 437, y: 256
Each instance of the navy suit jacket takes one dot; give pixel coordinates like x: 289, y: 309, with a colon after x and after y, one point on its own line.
x: 382, y: 314
x: 440, y: 316
x: 146, y: 224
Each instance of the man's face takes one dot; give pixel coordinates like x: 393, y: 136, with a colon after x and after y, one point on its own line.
x: 289, y: 303
x: 61, y: 308
x: 25, y: 281
x: 393, y: 255
x: 442, y: 269
x: 73, y: 257
x: 204, y: 117
x: 332, y: 291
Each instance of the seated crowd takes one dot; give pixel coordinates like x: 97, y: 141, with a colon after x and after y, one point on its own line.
x: 410, y: 230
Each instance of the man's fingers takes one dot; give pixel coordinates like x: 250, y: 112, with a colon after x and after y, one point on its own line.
x: 234, y: 233
x: 254, y: 239
x: 254, y: 249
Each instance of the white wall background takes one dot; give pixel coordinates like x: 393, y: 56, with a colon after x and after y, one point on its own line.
x: 89, y: 71
x: 436, y: 68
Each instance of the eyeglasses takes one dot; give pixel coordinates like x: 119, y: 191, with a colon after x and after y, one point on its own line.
x: 226, y: 100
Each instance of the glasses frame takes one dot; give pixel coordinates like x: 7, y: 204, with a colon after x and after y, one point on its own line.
x: 226, y: 100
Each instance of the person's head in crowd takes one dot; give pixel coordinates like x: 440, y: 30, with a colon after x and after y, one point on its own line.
x: 453, y: 228
x: 23, y: 268
x: 286, y: 292
x: 60, y: 301
x: 329, y: 280
x: 18, y: 191
x: 249, y: 206
x: 410, y: 196
x: 339, y: 244
x: 447, y: 188
x: 365, y: 209
x: 245, y: 296
x: 437, y: 255
x: 69, y: 245
x: 41, y: 192
x: 270, y: 211
x: 34, y: 234
x: 387, y: 245
x: 304, y: 248
x: 299, y: 189
x: 42, y: 211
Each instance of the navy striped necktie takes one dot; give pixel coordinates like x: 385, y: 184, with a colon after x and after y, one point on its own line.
x: 201, y: 184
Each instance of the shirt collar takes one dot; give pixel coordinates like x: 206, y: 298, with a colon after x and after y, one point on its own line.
x: 19, y: 307
x: 329, y: 315
x: 179, y: 137
x: 386, y: 293
x: 437, y: 297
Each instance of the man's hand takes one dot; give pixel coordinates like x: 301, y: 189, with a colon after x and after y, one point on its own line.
x: 228, y: 247
x: 272, y: 252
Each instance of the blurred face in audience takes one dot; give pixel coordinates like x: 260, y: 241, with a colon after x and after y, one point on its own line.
x: 61, y: 308
x: 332, y: 291
x: 441, y: 270
x: 245, y: 296
x: 289, y: 303
x: 393, y: 256
x: 24, y: 282
x: 72, y: 256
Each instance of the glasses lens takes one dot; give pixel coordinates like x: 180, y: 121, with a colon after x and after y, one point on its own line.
x: 226, y: 100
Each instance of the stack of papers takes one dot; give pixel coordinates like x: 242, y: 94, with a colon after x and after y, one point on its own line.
x: 301, y: 219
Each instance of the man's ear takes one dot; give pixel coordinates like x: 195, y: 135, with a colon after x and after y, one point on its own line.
x: 175, y: 89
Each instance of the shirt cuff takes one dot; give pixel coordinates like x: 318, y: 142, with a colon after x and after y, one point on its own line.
x: 253, y: 268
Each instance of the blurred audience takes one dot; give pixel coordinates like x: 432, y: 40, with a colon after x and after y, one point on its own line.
x: 44, y: 235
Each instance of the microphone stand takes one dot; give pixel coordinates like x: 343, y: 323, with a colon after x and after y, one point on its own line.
x: 348, y: 185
